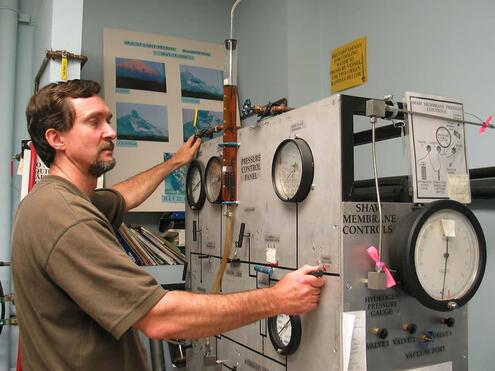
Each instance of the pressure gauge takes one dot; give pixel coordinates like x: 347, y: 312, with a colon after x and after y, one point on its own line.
x: 292, y: 170
x: 285, y: 333
x: 195, y: 191
x: 439, y: 253
x: 213, y: 180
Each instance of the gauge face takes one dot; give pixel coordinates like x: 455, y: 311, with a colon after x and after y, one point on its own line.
x: 440, y: 254
x: 213, y: 180
x: 195, y: 192
x: 292, y: 170
x: 447, y: 261
x: 285, y: 333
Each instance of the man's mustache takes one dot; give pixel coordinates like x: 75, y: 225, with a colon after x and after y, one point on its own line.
x: 107, y: 146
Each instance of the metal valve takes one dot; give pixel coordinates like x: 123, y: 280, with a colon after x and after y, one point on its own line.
x: 382, y: 333
x: 411, y: 328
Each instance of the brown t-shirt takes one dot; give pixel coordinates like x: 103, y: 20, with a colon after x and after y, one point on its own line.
x: 77, y: 293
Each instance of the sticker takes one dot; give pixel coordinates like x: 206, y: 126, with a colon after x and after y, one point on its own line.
x: 271, y: 255
x: 126, y: 143
x: 458, y: 188
x: 448, y: 226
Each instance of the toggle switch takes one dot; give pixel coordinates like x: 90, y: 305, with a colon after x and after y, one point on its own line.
x: 382, y: 333
x: 426, y: 338
x: 410, y: 328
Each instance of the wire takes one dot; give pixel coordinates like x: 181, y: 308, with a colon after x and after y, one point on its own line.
x: 375, y: 173
x: 232, y: 18
x: 2, y: 314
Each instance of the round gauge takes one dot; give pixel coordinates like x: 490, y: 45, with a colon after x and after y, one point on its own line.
x: 285, y: 333
x: 213, y: 180
x: 195, y: 191
x: 440, y: 254
x: 292, y: 170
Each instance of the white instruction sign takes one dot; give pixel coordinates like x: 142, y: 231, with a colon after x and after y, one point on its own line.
x: 438, y: 148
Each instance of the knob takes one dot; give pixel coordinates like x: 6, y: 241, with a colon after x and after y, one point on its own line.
x: 382, y: 333
x: 449, y: 322
x: 409, y: 327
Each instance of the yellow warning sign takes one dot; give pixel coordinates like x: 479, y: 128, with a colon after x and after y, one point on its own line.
x: 348, y: 66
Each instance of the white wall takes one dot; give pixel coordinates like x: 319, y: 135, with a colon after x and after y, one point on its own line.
x: 205, y: 20
x: 442, y: 47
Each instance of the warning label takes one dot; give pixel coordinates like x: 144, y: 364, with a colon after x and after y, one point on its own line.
x: 348, y: 66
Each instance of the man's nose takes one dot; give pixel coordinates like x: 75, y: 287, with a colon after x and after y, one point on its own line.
x: 109, y: 132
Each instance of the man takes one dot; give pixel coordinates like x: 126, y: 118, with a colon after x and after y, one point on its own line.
x: 79, y: 298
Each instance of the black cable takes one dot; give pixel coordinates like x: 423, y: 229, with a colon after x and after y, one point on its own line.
x: 2, y: 315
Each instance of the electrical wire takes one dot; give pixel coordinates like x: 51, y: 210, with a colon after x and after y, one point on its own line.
x: 2, y: 314
x: 375, y: 173
x: 232, y: 18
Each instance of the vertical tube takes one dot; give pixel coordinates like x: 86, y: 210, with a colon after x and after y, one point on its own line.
x: 9, y: 10
x: 229, y: 173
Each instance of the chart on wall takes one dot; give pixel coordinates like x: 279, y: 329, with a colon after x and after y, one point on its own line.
x: 161, y: 90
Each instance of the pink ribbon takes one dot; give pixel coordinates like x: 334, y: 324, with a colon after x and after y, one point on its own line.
x: 373, y: 254
x: 486, y: 124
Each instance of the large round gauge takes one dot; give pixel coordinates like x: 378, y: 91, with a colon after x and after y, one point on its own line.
x: 439, y: 253
x: 285, y: 333
x: 292, y: 170
x: 195, y: 191
x: 213, y: 180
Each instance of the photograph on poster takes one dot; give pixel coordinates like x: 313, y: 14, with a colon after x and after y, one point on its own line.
x: 205, y: 120
x: 202, y: 83
x: 175, y: 183
x: 137, y: 121
x: 140, y: 75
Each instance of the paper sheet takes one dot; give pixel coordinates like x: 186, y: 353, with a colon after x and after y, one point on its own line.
x: 354, y: 328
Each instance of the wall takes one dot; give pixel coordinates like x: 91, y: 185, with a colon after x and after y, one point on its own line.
x: 190, y: 19
x: 440, y: 47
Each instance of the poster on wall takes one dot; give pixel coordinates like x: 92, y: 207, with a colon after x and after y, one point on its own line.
x: 155, y: 85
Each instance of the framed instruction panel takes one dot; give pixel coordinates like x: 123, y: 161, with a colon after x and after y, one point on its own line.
x: 155, y: 85
x: 438, y: 148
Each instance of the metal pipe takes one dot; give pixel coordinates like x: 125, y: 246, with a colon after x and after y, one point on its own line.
x: 9, y: 12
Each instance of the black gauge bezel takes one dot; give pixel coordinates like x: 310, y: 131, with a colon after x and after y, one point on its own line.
x: 307, y: 171
x: 208, y: 165
x: 296, y: 334
x: 195, y: 205
x: 404, y: 239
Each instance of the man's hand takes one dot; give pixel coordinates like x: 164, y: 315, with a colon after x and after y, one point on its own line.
x: 186, y: 152
x: 299, y: 291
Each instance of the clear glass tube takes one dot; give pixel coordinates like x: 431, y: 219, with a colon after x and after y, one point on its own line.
x: 230, y: 70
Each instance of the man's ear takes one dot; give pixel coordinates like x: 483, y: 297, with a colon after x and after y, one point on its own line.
x: 54, y: 139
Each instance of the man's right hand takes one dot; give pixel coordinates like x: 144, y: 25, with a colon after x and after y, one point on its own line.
x: 186, y: 152
x: 299, y: 291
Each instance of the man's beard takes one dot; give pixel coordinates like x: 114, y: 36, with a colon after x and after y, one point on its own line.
x: 100, y: 167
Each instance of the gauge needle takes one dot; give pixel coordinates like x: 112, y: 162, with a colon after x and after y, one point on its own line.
x: 195, y: 186
x: 294, y: 166
x: 446, y: 256
x: 284, y: 327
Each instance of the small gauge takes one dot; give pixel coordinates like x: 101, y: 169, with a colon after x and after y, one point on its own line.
x: 285, y: 333
x: 213, y: 180
x: 195, y: 191
x: 440, y: 254
x: 292, y: 170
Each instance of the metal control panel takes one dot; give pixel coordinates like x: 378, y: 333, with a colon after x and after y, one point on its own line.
x: 353, y: 328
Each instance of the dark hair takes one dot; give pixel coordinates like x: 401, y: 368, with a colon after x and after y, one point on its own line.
x: 50, y: 108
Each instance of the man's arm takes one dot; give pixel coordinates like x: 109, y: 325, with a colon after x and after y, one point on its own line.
x: 184, y: 315
x: 137, y: 189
